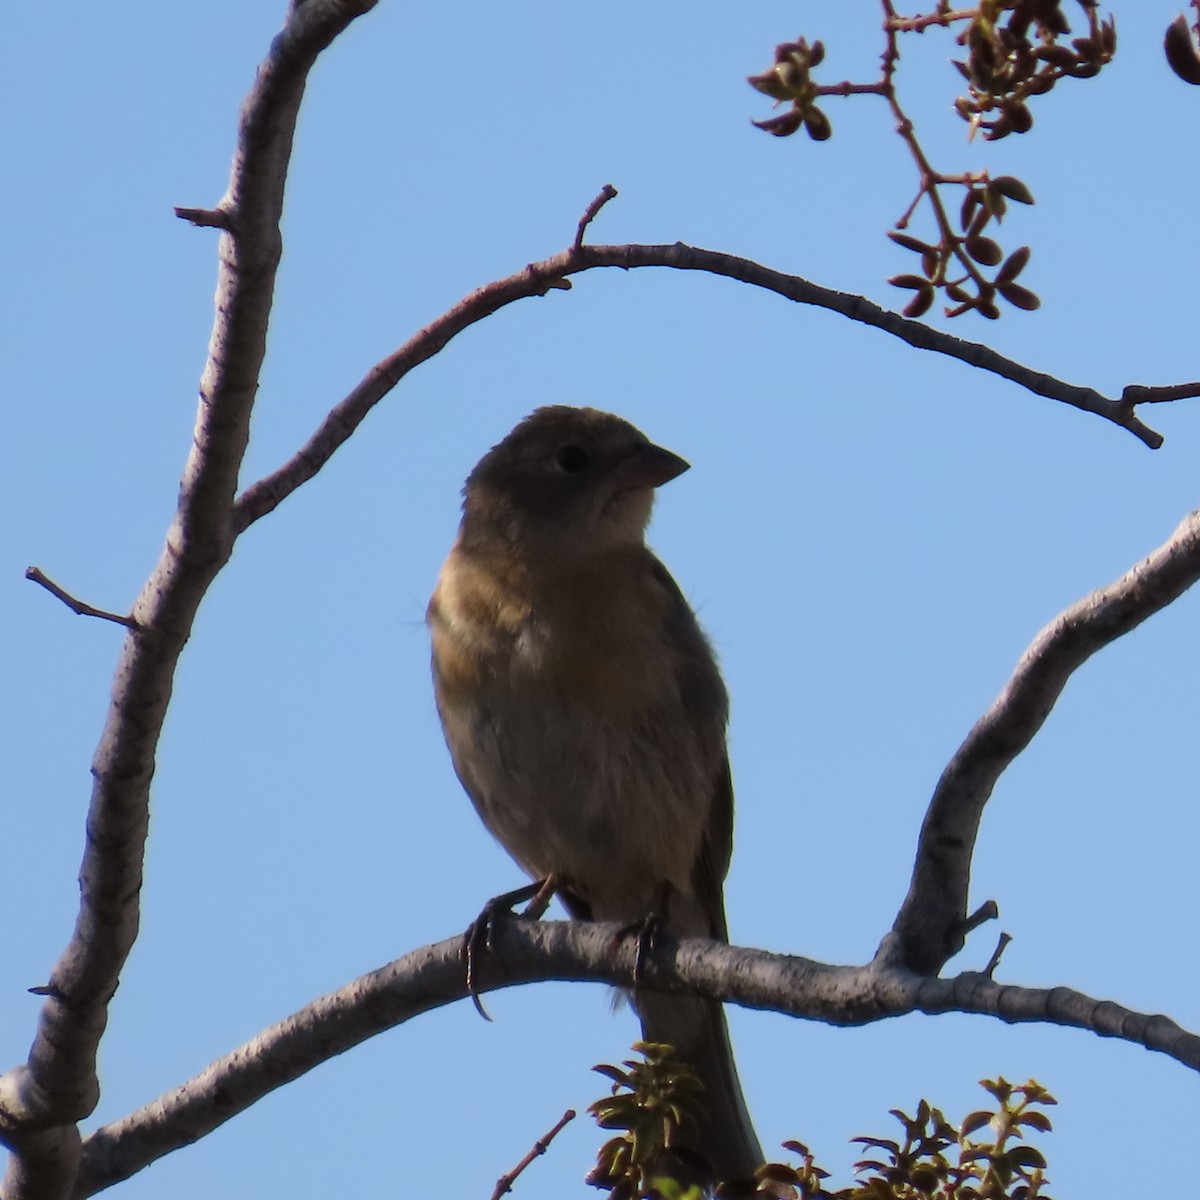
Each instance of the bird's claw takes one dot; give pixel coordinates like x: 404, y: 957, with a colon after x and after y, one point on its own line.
x: 479, y: 934
x: 647, y: 932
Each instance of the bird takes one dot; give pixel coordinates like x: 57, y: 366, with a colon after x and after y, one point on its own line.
x: 585, y: 713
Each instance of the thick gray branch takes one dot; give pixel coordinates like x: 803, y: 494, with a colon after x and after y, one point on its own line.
x: 526, y: 952
x: 41, y: 1100
x: 930, y: 922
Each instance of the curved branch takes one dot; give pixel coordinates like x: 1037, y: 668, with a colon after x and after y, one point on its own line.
x: 41, y: 1100
x: 537, y: 279
x: 527, y: 951
x: 930, y: 922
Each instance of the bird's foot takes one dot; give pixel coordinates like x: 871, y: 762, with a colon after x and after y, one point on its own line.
x: 479, y: 934
x: 646, y: 931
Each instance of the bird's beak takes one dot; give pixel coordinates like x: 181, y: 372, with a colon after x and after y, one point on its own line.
x: 649, y: 466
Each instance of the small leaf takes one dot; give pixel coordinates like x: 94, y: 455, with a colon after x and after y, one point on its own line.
x: 1181, y: 51
x: 1001, y: 127
x: 1036, y: 1094
x: 984, y: 215
x: 1013, y: 265
x: 1020, y: 297
x: 1026, y: 1156
x: 771, y: 85
x: 817, y: 125
x: 870, y: 1164
x: 907, y: 281
x: 1035, y: 1120
x: 1108, y: 36
x: 909, y: 242
x: 971, y: 201
x: 984, y: 250
x: 920, y: 304
x: 611, y: 1072
x: 974, y: 1121
x: 879, y: 1143
x: 782, y: 126
x: 1012, y: 187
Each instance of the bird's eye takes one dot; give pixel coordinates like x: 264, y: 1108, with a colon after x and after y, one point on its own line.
x: 571, y: 458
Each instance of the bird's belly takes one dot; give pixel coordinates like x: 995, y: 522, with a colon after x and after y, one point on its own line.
x: 614, y: 806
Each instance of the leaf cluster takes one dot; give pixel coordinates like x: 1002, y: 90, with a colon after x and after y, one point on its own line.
x: 933, y: 1161
x: 656, y: 1096
x: 789, y: 79
x: 956, y: 262
x: 1014, y: 53
x: 1016, y: 50
x: 653, y: 1100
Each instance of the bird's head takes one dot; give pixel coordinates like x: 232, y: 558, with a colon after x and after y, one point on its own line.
x: 570, y: 480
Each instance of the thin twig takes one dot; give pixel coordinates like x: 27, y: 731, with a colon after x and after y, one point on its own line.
x: 78, y: 607
x: 505, y: 1182
x: 607, y: 193
x: 989, y: 910
x: 993, y: 962
x: 208, y: 218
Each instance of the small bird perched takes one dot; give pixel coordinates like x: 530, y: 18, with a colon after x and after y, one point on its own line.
x: 585, y: 713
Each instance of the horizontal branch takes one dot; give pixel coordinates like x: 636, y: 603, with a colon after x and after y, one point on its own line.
x: 538, y: 279
x: 526, y: 952
x: 930, y: 922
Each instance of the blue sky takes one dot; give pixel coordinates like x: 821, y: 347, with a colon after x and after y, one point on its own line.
x: 870, y: 534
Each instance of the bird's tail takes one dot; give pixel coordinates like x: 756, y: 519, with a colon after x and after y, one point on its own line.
x: 696, y: 1028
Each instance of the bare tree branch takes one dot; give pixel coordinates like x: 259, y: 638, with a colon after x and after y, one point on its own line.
x: 42, y: 1099
x: 526, y: 951
x: 537, y: 279
x: 204, y: 218
x: 930, y: 922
